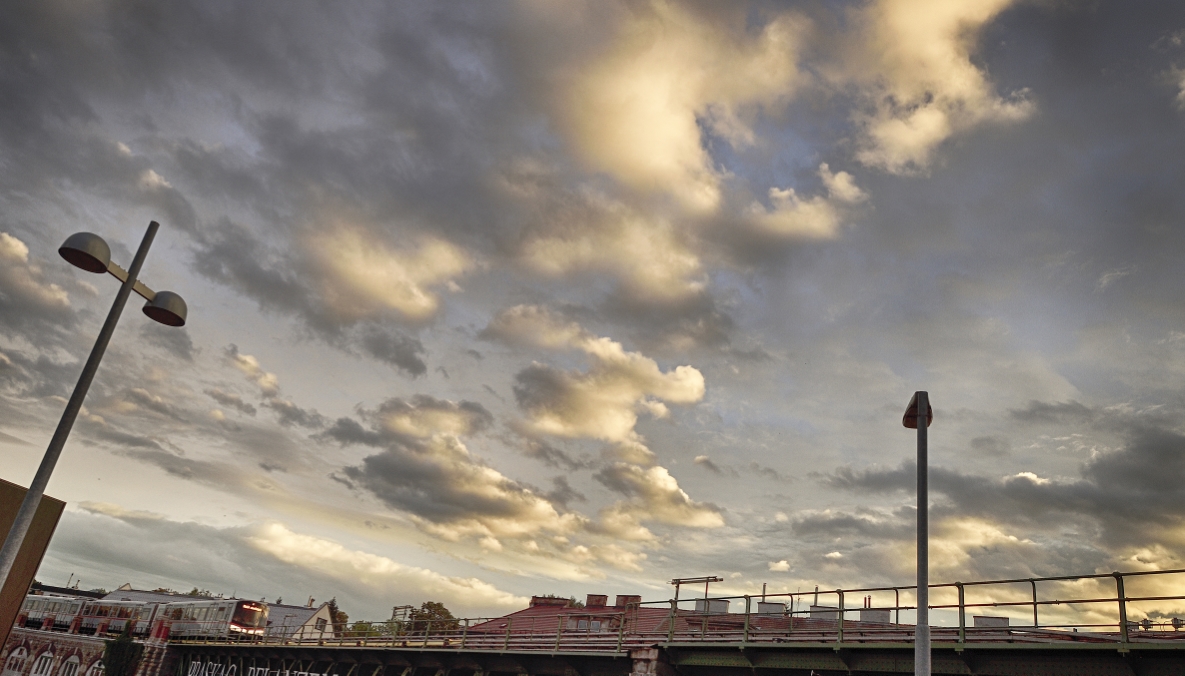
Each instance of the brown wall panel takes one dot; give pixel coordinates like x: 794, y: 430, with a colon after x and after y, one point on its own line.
x: 32, y: 549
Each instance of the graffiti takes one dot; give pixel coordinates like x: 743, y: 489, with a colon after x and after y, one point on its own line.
x: 211, y: 669
x: 264, y: 671
x: 216, y: 669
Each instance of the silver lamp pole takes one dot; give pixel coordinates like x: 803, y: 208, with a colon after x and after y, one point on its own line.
x: 91, y: 253
x: 919, y: 415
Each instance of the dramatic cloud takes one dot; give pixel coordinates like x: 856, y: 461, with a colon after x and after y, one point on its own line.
x: 357, y: 568
x: 814, y: 218
x: 602, y: 403
x: 363, y: 276
x: 915, y: 60
x: 638, y: 111
x: 477, y: 265
x: 426, y: 471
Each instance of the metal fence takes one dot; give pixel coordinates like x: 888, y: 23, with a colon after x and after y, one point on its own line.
x: 1121, y: 608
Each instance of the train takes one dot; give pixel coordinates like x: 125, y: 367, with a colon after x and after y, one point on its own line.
x: 197, y: 618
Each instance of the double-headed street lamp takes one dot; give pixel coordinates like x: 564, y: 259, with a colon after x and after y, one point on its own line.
x: 92, y: 254
x: 919, y: 415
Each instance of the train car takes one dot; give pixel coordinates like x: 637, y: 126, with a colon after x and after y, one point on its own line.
x: 57, y: 611
x: 102, y: 616
x: 215, y: 618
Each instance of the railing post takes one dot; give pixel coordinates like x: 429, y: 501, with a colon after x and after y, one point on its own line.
x: 1122, y: 605
x: 897, y: 605
x: 671, y: 628
x: 1034, y: 583
x: 559, y: 630
x: 621, y: 631
x: 745, y: 636
x: 839, y: 632
x: 962, y: 616
x: 427, y: 630
x: 509, y: 624
x: 464, y: 633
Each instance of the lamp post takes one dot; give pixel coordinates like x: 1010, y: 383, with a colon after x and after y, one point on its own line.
x: 91, y: 253
x: 919, y: 409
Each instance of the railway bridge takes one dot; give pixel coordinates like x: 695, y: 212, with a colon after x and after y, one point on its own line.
x: 1121, y: 624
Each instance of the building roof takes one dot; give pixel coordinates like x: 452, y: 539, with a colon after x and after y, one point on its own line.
x: 65, y: 591
x: 290, y: 618
x: 144, y: 596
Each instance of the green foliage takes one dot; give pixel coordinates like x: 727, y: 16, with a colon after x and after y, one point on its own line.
x: 338, y: 618
x: 122, y: 655
x: 363, y: 629
x: 431, y: 618
x: 204, y: 593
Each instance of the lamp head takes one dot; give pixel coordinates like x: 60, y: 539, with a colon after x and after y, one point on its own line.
x: 87, y: 251
x: 167, y: 308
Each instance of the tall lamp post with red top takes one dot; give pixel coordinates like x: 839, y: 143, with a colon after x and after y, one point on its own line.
x: 919, y: 409
x: 89, y: 252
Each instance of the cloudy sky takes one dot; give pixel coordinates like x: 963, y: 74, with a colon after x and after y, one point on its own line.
x: 508, y: 298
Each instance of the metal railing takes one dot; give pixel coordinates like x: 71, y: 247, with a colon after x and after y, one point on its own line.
x: 1080, y: 609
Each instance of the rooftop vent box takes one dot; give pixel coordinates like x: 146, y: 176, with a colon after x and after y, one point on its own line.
x: 824, y: 612
x: 711, y: 606
x: 624, y: 600
x: 873, y: 615
x: 989, y: 621
x: 769, y: 608
x: 550, y: 601
x: 596, y: 601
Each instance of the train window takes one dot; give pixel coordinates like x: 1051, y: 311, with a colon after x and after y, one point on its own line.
x: 176, y: 613
x: 16, y: 661
x: 249, y: 615
x: 69, y: 667
x: 42, y: 665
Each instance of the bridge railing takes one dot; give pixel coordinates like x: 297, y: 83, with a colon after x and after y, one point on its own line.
x: 1119, y: 608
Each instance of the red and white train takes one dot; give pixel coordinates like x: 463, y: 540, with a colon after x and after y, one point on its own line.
x: 206, y: 618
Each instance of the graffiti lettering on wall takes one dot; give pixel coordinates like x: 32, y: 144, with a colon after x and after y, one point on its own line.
x: 215, y: 669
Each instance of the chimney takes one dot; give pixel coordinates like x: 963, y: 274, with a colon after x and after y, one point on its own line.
x: 596, y: 601
x: 549, y: 601
x: 624, y: 600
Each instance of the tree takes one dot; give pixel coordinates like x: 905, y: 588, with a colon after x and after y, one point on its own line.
x: 363, y: 629
x: 122, y: 655
x: 337, y: 617
x: 431, y: 617
x: 205, y: 593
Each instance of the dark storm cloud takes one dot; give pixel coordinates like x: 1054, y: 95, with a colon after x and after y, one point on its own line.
x: 551, y: 456
x: 426, y: 470
x: 707, y: 463
x: 175, y: 341
x: 219, y: 475
x: 396, y: 349
x: 863, y: 525
x: 231, y: 400
x: 145, y: 399
x: 991, y: 446
x: 291, y: 414
x: 563, y: 493
x: 1062, y: 412
x: 416, y: 481
x: 1136, y: 493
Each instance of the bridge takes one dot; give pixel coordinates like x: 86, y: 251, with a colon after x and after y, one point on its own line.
x: 1087, y: 625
